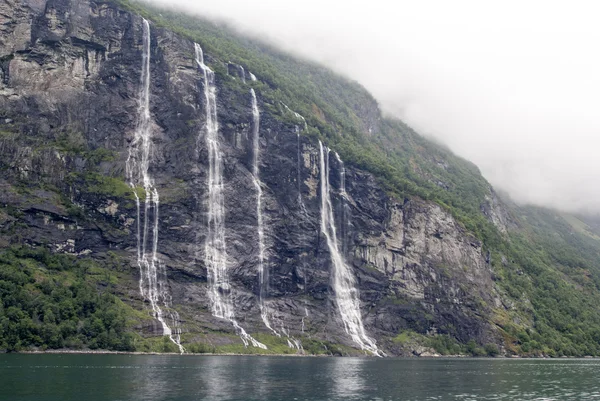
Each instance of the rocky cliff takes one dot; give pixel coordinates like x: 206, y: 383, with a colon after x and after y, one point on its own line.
x: 70, y: 77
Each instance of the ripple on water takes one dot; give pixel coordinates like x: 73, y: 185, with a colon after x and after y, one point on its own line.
x: 159, y: 377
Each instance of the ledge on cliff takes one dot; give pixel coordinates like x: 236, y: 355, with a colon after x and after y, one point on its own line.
x: 440, y: 262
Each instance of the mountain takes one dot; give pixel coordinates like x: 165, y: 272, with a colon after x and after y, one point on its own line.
x: 169, y: 185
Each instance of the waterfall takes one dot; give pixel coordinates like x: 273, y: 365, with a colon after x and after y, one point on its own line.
x: 252, y: 76
x: 262, y: 273
x: 215, y: 249
x: 297, y: 115
x: 300, y: 200
x: 301, y: 118
x: 291, y: 341
x: 305, y: 313
x: 242, y: 74
x: 305, y: 213
x: 263, y: 279
x: 342, y: 175
x: 344, y: 286
x: 153, y: 279
x: 344, y: 197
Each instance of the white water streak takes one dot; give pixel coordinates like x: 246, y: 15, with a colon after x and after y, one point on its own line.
x: 301, y: 203
x: 153, y: 278
x: 262, y: 274
x: 243, y: 74
x: 252, y: 76
x: 344, y: 286
x: 215, y: 247
x: 291, y: 341
x: 305, y: 315
x: 297, y: 115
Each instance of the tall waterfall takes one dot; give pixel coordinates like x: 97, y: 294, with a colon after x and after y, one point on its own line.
x: 215, y: 249
x: 262, y: 273
x: 301, y: 201
x: 153, y: 280
x: 346, y: 294
x: 263, y: 278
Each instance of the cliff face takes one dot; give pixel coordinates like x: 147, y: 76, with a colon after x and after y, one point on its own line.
x: 69, y: 88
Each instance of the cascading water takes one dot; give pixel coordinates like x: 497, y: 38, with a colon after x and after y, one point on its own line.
x: 297, y: 115
x: 305, y: 213
x: 344, y: 286
x: 262, y: 274
x: 344, y: 197
x: 252, y: 76
x: 242, y: 74
x: 153, y: 280
x: 305, y: 313
x: 215, y: 250
x: 300, y: 200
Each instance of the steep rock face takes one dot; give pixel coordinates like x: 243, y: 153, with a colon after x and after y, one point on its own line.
x: 70, y: 77
x: 497, y: 213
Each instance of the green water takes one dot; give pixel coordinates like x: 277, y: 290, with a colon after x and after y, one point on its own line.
x: 149, y: 377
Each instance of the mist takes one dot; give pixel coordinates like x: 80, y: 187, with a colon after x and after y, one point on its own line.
x: 512, y: 86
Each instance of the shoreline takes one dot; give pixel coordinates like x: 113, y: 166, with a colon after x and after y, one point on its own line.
x: 108, y: 352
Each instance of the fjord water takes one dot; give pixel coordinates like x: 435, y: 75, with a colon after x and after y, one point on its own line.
x: 169, y: 377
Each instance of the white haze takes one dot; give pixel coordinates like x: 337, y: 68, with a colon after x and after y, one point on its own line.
x: 513, y: 86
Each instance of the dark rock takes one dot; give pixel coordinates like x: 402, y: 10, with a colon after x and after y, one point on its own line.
x: 76, y: 78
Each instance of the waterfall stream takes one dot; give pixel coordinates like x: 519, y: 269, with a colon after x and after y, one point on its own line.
x: 153, y: 279
x: 344, y: 285
x: 215, y: 247
x: 263, y: 278
x: 242, y: 74
x: 262, y: 272
x: 300, y: 201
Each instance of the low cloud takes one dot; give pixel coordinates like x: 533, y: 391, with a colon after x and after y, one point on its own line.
x: 513, y: 86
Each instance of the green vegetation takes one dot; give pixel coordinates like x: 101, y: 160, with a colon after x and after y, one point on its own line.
x: 107, y: 186
x: 548, y: 267
x: 408, y: 336
x: 334, y: 107
x: 444, y: 344
x: 56, y: 301
x: 275, y: 346
x: 110, y: 186
x: 553, y: 275
x: 47, y: 301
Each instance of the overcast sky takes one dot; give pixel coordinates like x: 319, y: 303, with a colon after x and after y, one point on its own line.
x: 513, y: 86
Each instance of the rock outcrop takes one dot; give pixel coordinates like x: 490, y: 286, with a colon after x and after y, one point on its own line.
x: 69, y: 77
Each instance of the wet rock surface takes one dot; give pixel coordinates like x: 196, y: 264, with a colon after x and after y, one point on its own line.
x: 70, y: 74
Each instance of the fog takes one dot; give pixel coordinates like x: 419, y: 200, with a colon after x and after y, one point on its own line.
x: 513, y: 86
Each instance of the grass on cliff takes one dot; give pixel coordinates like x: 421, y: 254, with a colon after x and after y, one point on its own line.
x: 552, y: 279
x: 404, y: 162
x: 50, y: 301
x: 552, y: 274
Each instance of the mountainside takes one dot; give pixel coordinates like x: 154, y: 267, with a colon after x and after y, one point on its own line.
x: 167, y: 185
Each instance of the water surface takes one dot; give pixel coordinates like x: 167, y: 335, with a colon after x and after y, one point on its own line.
x: 170, y: 377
